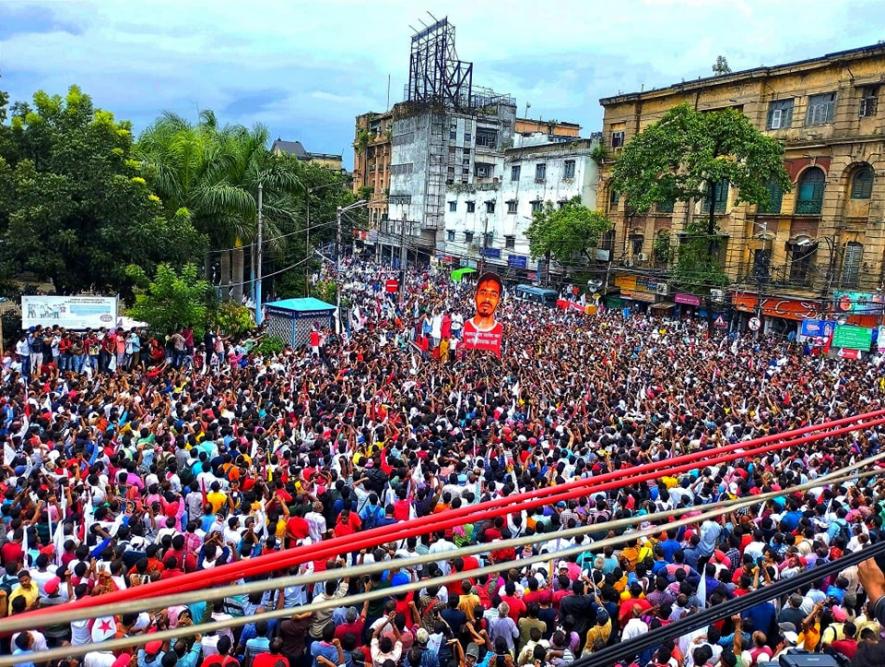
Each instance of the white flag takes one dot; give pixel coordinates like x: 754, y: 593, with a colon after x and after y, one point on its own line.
x: 103, y: 628
x: 8, y: 454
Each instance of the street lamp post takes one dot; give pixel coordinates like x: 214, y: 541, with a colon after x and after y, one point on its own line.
x: 307, y: 193
x: 338, y: 213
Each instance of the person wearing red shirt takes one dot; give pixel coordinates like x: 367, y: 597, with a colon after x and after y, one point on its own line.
x: 172, y: 568
x: 847, y: 646
x: 296, y: 529
x: 12, y: 553
x: 272, y: 658
x: 348, y: 523
x: 516, y: 604
x: 563, y: 591
x: 355, y: 622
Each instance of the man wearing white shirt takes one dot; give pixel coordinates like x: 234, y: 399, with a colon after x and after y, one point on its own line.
x: 441, y: 545
x: 316, y: 522
x: 635, y: 627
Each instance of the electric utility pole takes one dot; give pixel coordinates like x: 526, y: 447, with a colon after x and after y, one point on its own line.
x: 482, y: 249
x: 403, y: 259
x: 258, y: 254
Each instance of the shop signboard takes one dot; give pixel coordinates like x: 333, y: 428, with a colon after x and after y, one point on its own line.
x: 645, y: 297
x: 852, y: 337
x: 687, y: 299
x: 860, y: 303
x: 789, y: 309
x: 517, y: 261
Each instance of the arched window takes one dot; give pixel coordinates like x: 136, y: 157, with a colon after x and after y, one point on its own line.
x: 608, y: 240
x: 636, y: 242
x: 811, y: 191
x: 862, y: 183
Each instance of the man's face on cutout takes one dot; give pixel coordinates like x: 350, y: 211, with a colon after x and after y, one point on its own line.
x: 488, y: 294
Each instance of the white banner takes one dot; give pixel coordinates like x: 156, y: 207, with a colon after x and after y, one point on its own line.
x: 70, y: 312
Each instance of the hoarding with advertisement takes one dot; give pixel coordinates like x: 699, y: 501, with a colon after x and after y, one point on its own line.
x: 852, y: 337
x: 70, y: 312
x: 636, y: 295
x: 865, y: 303
x: 817, y: 328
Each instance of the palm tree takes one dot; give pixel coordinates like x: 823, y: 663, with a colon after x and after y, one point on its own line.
x: 215, y: 173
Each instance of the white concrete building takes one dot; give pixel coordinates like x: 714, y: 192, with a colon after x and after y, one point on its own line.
x: 433, y: 149
x: 490, y: 215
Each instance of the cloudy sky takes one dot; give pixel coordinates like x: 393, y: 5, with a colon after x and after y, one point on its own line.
x: 305, y: 69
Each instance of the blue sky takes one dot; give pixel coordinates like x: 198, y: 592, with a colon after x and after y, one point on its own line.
x: 305, y: 69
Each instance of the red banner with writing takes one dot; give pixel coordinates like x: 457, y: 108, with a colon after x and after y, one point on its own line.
x: 489, y: 341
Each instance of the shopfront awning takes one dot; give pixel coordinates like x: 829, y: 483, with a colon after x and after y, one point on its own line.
x: 667, y: 305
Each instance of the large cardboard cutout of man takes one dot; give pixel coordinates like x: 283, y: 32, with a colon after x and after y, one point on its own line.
x: 483, y: 331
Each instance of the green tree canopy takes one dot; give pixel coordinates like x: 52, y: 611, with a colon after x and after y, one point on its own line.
x: 74, y: 207
x: 172, y: 299
x: 214, y: 172
x: 685, y: 154
x: 568, y: 233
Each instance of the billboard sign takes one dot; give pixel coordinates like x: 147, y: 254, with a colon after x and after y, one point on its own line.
x: 861, y: 303
x: 852, y: 337
x: 817, y: 328
x: 687, y: 299
x: 70, y: 312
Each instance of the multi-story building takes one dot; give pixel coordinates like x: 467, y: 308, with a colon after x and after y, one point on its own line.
x: 556, y: 130
x: 815, y: 249
x: 432, y: 149
x: 371, y: 166
x: 487, y: 218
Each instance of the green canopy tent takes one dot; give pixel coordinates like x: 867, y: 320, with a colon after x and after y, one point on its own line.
x: 458, y: 274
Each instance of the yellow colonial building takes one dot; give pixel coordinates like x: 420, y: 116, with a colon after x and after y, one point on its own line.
x: 818, y: 248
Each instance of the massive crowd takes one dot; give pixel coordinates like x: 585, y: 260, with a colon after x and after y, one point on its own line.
x: 123, y: 468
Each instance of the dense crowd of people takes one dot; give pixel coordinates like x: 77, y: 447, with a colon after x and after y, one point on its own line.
x: 122, y: 468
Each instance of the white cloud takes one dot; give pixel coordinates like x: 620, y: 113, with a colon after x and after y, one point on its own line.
x: 333, y: 58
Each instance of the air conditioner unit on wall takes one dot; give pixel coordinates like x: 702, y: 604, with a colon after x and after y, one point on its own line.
x: 717, y: 295
x: 662, y: 288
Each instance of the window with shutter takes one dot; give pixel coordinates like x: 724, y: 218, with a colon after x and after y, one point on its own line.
x: 862, y: 183
x: 851, y: 264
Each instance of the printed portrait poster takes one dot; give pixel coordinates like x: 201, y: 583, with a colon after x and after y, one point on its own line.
x: 483, y: 331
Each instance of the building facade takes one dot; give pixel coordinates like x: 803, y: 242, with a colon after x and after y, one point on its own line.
x: 557, y: 130
x: 371, y: 166
x: 486, y: 219
x: 816, y: 249
x: 432, y: 148
x: 297, y: 149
